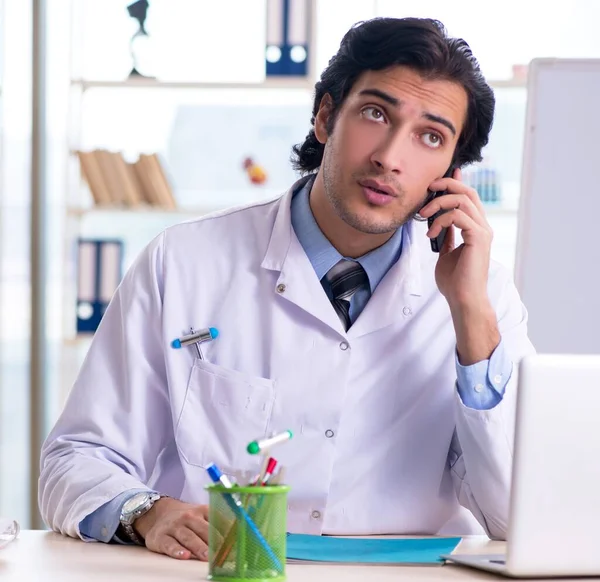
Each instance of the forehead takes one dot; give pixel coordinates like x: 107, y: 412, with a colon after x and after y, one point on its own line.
x: 417, y: 94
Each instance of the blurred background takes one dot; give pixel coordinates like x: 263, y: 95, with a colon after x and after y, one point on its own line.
x: 160, y: 111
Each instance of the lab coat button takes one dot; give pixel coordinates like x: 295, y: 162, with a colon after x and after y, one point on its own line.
x: 344, y: 346
x: 407, y: 311
x: 497, y: 378
x: 478, y: 387
x: 280, y: 288
x: 329, y: 433
x: 316, y: 514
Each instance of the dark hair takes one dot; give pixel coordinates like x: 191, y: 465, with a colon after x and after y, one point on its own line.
x: 419, y: 43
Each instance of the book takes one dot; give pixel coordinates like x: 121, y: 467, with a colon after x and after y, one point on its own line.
x: 92, y: 173
x: 146, y: 183
x: 166, y: 191
x: 152, y: 177
x: 152, y: 174
x: 111, y: 175
x: 303, y: 548
x: 131, y: 192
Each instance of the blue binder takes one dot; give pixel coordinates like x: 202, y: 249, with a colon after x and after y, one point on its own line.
x: 99, y: 272
x: 288, y: 29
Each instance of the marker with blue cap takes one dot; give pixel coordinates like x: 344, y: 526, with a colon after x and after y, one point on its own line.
x: 196, y: 338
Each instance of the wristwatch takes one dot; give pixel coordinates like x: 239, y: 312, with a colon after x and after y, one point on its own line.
x: 135, y: 507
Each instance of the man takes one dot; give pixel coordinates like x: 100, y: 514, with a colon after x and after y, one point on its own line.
x: 392, y: 364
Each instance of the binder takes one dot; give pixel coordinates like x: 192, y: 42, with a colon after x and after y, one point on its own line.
x: 99, y: 272
x: 288, y: 29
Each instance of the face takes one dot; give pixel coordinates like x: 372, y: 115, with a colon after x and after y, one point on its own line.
x: 394, y: 135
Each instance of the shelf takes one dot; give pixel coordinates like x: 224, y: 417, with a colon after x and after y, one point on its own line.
x: 499, y: 210
x: 269, y: 83
x: 490, y: 210
x: 142, y: 210
x: 508, y: 83
x: 78, y: 340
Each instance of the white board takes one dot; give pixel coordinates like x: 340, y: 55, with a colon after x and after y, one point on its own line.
x: 557, y: 267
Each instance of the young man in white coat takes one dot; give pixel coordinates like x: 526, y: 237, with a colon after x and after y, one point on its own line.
x: 393, y: 365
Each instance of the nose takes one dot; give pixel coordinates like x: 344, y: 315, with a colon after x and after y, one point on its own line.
x: 391, y: 153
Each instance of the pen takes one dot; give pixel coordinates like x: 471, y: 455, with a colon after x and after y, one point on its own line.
x: 260, y: 445
x: 229, y: 540
x: 196, y: 338
x: 238, y: 509
x: 263, y: 469
x: 269, y: 472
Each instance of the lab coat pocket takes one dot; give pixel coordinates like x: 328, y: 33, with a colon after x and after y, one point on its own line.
x: 223, y: 411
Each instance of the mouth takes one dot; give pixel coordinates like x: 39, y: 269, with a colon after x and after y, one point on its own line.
x: 378, y: 187
x: 376, y: 193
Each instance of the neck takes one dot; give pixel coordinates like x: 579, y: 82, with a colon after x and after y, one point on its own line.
x: 347, y: 240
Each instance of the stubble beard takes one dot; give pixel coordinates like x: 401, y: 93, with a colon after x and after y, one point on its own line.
x: 360, y: 222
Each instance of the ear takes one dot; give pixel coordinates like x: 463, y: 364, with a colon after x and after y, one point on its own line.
x: 322, y: 118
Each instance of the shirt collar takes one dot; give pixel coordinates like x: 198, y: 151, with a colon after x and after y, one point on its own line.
x: 323, y: 255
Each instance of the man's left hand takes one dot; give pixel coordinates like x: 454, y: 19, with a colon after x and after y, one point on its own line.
x: 462, y: 273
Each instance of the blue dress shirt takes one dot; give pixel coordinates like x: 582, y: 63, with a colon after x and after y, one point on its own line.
x: 103, y: 523
x: 480, y: 386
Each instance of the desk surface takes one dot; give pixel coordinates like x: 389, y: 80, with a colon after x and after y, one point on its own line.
x: 44, y: 556
x: 48, y: 557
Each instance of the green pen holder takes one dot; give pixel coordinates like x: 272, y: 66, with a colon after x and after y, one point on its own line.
x: 247, y: 544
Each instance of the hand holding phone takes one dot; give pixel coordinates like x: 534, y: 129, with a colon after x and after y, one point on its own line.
x: 438, y: 241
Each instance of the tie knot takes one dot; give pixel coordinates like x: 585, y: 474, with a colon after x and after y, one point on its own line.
x: 346, y: 278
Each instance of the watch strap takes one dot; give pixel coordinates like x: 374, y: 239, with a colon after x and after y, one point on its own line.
x: 131, y: 535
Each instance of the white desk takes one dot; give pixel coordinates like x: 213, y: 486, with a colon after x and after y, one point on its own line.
x: 44, y: 556
x: 47, y: 557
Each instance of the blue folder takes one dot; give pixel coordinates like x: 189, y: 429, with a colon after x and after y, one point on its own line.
x: 308, y: 548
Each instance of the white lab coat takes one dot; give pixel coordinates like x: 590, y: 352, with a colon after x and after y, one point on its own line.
x: 374, y: 410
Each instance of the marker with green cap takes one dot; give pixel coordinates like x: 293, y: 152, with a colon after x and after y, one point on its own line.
x: 256, y: 447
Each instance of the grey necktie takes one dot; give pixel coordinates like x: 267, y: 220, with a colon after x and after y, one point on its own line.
x: 345, y: 279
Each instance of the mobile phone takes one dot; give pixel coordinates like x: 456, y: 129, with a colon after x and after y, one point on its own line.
x: 438, y: 241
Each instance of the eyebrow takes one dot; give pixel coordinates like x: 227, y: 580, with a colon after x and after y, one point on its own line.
x: 396, y: 103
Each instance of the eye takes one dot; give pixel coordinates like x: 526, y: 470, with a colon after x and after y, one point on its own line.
x: 373, y: 113
x: 432, y: 140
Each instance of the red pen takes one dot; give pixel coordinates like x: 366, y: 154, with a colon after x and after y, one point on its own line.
x: 269, y: 471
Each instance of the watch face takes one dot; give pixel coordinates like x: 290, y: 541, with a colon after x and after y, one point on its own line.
x: 134, y: 503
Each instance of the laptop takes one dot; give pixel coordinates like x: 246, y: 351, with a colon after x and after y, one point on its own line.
x: 554, y: 520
